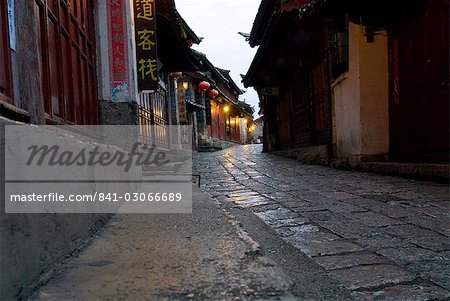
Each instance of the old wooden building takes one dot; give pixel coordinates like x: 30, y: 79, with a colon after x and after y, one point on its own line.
x: 225, y: 118
x: 160, y: 106
x: 73, y: 63
x: 48, y: 55
x: 290, y: 73
x: 354, y: 83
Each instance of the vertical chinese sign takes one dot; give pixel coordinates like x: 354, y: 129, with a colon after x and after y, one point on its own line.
x: 146, y: 54
x: 182, y: 108
x: 118, y: 51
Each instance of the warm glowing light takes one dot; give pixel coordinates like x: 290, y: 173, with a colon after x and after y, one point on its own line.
x: 185, y: 86
x: 245, y: 121
x: 226, y: 109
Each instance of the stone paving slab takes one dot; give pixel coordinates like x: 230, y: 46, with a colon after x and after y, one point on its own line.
x: 391, y: 210
x: 380, y: 241
x: 419, y: 292
x: 411, y: 254
x: 305, y: 241
x: 436, y: 272
x: 379, y: 235
x: 336, y: 262
x: 407, y: 231
x: 435, y: 243
x: 372, y: 219
x: 372, y: 276
x: 330, y: 248
x: 349, y: 229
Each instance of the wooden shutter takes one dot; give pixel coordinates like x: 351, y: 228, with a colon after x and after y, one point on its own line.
x: 68, y: 53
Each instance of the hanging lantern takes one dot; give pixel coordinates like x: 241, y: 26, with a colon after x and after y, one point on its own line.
x: 204, y: 85
x: 213, y: 93
x: 190, y: 43
x: 176, y: 74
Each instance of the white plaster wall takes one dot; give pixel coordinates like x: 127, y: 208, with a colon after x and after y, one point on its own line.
x: 131, y: 52
x: 101, y: 23
x: 361, y: 98
x: 102, y: 31
x: 346, y: 95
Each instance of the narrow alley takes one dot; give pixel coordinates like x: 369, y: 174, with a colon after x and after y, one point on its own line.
x: 271, y: 228
x: 196, y: 150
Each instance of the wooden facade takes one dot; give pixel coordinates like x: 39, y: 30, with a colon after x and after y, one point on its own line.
x: 56, y: 61
x: 419, y: 84
x: 292, y: 59
x: 175, y: 56
x: 68, y: 59
x: 224, y: 126
x: 225, y: 113
x: 217, y: 127
x: 304, y: 52
x: 304, y: 108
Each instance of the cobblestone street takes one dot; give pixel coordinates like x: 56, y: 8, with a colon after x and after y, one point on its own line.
x: 132, y: 137
x: 381, y: 237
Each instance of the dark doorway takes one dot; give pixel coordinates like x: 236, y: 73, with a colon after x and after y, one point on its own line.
x: 419, y: 69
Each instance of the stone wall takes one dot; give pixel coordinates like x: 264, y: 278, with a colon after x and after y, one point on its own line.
x: 309, y: 155
x: 32, y: 245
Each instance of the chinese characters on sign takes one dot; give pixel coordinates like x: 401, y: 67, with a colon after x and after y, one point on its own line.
x: 182, y: 108
x: 146, y: 54
x: 118, y: 51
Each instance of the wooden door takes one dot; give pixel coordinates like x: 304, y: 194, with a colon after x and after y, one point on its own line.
x: 284, y: 119
x: 301, y: 112
x: 320, y: 102
x: 419, y: 84
x: 68, y: 60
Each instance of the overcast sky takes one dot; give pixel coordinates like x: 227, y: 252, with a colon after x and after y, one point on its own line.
x: 219, y: 22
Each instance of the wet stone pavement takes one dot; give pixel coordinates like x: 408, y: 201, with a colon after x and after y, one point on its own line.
x: 383, y: 238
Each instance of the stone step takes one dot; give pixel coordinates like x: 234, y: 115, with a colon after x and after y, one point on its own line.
x: 414, y: 170
x: 169, y: 167
x: 178, y: 158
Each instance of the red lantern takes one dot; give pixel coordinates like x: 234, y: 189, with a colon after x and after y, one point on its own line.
x: 213, y: 93
x: 204, y: 85
x: 190, y: 43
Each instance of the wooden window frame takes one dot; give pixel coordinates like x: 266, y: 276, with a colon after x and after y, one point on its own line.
x: 6, y: 93
x: 339, y: 44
